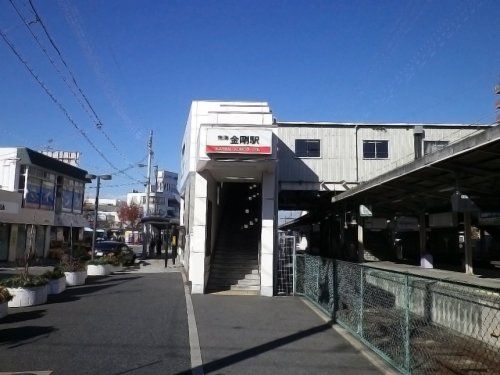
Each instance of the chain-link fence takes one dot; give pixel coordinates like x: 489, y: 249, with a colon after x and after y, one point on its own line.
x: 284, y: 265
x: 418, y: 324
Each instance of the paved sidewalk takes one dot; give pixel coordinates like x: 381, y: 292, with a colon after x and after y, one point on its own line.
x: 280, y: 335
x: 127, y: 323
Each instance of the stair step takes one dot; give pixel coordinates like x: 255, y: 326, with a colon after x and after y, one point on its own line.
x: 234, y: 292
x: 233, y: 275
x: 236, y: 257
x: 248, y: 282
x: 223, y: 286
x: 220, y: 280
x: 240, y: 274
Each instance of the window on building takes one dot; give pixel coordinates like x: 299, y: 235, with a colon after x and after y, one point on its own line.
x: 40, y: 188
x: 375, y: 149
x: 305, y: 148
x: 433, y: 146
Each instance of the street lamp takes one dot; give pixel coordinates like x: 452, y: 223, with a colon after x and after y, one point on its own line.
x: 96, y: 205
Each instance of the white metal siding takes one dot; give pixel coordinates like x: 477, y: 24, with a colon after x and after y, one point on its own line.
x: 338, y: 154
x: 338, y: 150
x: 400, y: 149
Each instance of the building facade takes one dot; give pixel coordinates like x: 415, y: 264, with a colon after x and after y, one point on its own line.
x: 37, y: 190
x: 240, y: 166
x: 163, y: 198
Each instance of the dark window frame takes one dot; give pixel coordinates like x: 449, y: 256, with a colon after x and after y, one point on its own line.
x: 307, y: 149
x: 377, y: 153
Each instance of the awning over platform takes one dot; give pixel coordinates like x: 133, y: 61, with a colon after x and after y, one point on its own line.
x: 160, y: 222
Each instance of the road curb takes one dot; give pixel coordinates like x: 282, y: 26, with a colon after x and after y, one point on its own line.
x: 194, y: 341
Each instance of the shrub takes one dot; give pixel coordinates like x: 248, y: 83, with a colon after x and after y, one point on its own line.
x: 5, y: 296
x: 113, y: 260
x: 72, y: 266
x: 22, y: 281
x: 57, y: 273
x: 99, y: 261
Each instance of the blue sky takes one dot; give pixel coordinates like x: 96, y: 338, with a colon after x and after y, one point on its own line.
x: 141, y: 63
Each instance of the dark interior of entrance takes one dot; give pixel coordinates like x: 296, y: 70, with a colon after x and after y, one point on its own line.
x: 235, y: 256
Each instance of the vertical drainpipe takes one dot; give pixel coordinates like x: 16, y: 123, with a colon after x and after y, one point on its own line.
x: 418, y: 140
x: 356, y: 148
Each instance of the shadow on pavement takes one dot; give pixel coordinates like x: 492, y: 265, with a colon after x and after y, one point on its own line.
x: 15, y: 317
x: 94, y: 284
x: 19, y: 334
x: 256, y: 350
x: 138, y: 368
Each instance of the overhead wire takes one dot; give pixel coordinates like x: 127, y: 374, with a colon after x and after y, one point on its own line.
x: 54, y: 99
x: 99, y: 122
x: 63, y: 77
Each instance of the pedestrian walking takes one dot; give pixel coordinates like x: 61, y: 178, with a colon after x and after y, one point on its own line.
x: 152, y: 244
x: 174, y: 246
x: 158, y: 245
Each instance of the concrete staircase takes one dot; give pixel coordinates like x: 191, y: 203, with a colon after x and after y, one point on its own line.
x: 235, y: 267
x: 235, y: 264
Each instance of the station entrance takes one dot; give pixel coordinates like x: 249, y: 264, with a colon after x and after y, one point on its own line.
x: 236, y: 254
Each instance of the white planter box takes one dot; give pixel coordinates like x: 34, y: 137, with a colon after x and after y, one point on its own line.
x: 28, y: 296
x: 3, y: 309
x: 75, y: 278
x: 57, y: 286
x: 98, y: 270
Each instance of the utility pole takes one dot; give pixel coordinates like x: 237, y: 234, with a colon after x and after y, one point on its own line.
x: 497, y: 104
x: 145, y: 241
x: 155, y: 203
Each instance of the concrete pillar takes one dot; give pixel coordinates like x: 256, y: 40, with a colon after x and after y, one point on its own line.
x: 268, y: 234
x: 197, y: 243
x: 361, y: 244
x: 468, y: 244
x: 426, y: 259
x: 46, y: 247
x: 13, y: 243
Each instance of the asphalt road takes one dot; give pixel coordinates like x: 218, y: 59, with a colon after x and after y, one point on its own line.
x: 121, y: 324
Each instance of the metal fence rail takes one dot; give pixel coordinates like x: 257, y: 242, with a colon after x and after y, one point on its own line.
x: 418, y: 324
x: 285, y: 257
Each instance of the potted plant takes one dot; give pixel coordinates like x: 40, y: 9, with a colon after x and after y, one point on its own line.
x: 5, y: 297
x: 57, y: 281
x: 115, y: 263
x: 27, y: 290
x: 75, y: 272
x: 98, y: 267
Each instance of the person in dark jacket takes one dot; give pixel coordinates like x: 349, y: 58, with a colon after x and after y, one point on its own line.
x: 159, y: 242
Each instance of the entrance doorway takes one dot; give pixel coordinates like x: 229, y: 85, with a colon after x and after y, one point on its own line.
x: 235, y: 260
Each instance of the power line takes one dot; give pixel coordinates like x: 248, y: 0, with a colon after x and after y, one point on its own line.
x: 99, y: 123
x: 54, y: 99
x: 59, y: 104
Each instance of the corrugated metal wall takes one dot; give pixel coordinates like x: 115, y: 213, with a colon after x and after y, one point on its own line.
x: 338, y: 154
x: 338, y: 150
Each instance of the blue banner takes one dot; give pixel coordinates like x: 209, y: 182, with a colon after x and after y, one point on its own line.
x: 33, y: 196
x: 67, y: 200
x: 48, y: 196
x: 77, y: 202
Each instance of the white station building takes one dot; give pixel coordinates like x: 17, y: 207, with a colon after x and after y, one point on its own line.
x: 239, y: 166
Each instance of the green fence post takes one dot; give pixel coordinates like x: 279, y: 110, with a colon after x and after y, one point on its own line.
x: 361, y: 292
x: 335, y: 291
x: 407, y: 325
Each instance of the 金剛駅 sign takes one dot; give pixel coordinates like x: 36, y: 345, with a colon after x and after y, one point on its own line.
x: 239, y: 141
